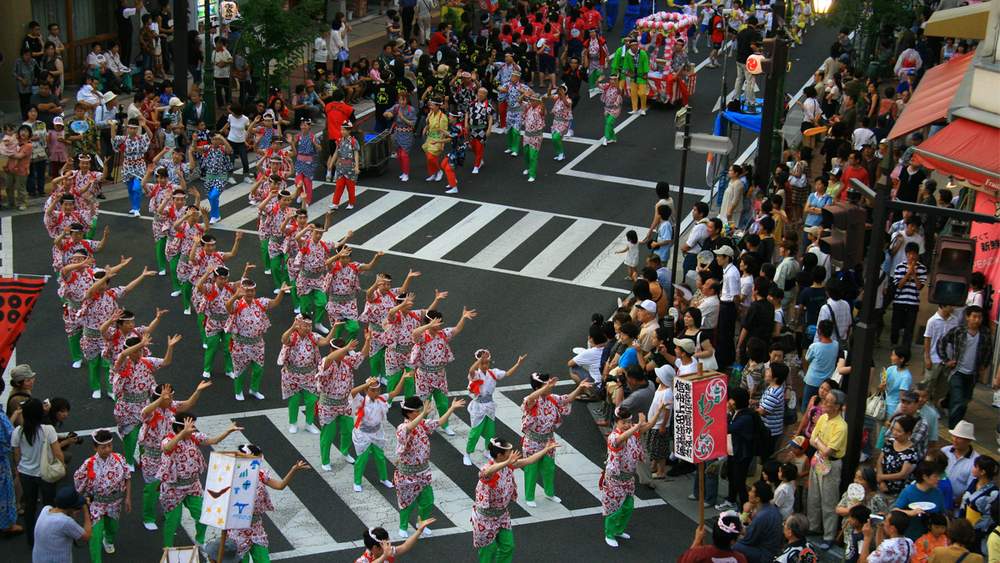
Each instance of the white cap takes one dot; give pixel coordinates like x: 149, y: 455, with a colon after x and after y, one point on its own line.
x: 649, y: 305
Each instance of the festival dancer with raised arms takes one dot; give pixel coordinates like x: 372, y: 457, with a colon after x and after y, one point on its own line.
x: 482, y: 409
x: 247, y: 324
x: 370, y: 412
x: 333, y: 408
x: 107, y: 479
x: 431, y: 353
x: 299, y: 360
x: 379, y: 299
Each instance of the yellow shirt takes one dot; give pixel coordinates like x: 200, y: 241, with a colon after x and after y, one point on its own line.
x: 993, y: 545
x: 833, y: 433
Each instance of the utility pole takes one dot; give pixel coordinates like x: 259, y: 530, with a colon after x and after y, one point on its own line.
x: 769, y: 142
x: 208, y: 97
x: 180, y: 49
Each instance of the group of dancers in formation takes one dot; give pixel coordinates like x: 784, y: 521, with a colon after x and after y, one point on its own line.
x: 408, y: 351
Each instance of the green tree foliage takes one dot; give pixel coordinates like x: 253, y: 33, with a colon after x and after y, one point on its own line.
x: 276, y: 37
x: 872, y: 20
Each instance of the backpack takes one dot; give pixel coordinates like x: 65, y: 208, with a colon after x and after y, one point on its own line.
x: 760, y: 444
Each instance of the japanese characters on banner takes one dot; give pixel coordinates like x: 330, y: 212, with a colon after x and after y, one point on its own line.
x: 700, y: 425
x: 987, y: 239
x: 230, y: 489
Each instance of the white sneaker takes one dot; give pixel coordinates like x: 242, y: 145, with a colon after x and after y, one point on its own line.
x: 230, y: 375
x: 532, y: 504
x: 642, y: 112
x: 560, y: 156
x: 277, y: 291
x: 393, y: 155
x: 204, y: 346
x: 554, y: 499
x: 438, y: 176
x: 161, y: 273
x: 513, y: 153
x: 327, y: 467
x: 525, y: 173
x: 403, y: 534
x: 405, y: 177
x: 329, y: 176
x: 604, y: 141
x: 350, y: 206
x: 312, y: 429
x: 448, y: 431
x: 293, y: 429
x: 239, y: 396
x: 77, y: 364
x: 531, y: 179
x: 349, y: 459
x: 96, y: 394
x: 175, y: 293
x: 611, y: 541
x: 232, y: 181
x: 427, y: 532
x: 633, y: 112
x: 466, y: 460
x: 388, y: 484
x: 569, y: 133
x: 452, y: 190
x: 507, y: 151
x: 131, y: 468
x: 322, y: 328
x: 696, y: 49
x: 333, y: 206
x: 475, y: 170
x: 357, y: 488
x: 267, y: 272
x: 187, y: 311
x: 214, y: 220
x: 151, y: 526
x: 724, y: 506
x: 257, y: 395
x: 206, y: 374
x: 297, y: 310
x: 431, y: 178
x: 623, y: 536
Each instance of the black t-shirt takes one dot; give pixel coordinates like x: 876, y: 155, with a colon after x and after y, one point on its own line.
x: 743, y: 40
x: 37, y: 99
x: 35, y: 44
x: 759, y: 320
x: 384, y: 96
x: 425, y: 79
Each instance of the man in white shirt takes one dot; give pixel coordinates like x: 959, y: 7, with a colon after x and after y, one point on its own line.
x: 941, y: 322
x: 786, y: 272
x: 103, y: 114
x: 837, y: 310
x: 709, y: 305
x: 961, y: 458
x: 863, y: 136
x: 222, y: 62
x: 645, y: 314
x: 814, y: 234
x: 699, y: 232
x: 729, y: 302
x: 588, y: 362
x: 88, y: 95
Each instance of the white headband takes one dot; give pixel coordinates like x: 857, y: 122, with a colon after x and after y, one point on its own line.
x: 496, y: 444
x: 371, y: 534
x: 480, y: 352
x: 728, y: 528
x: 536, y: 377
x: 93, y: 435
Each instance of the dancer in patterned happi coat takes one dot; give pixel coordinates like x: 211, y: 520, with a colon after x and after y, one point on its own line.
x: 99, y: 303
x: 348, y: 167
x: 120, y: 327
x: 133, y: 147
x: 311, y: 273
x: 436, y: 132
x: 85, y: 184
x: 291, y: 226
x: 133, y: 381
x: 380, y: 298
x: 534, y: 124
x: 181, y: 466
x: 212, y: 308
x: 400, y: 323
x: 343, y: 287
x: 482, y: 409
x: 247, y: 324
x: 492, y: 534
x: 183, y: 232
x: 299, y: 360
x: 204, y: 258
x: 479, y: 124
x: 274, y: 160
x: 157, y: 420
x: 370, y: 409
x: 305, y: 152
x: 511, y: 94
x: 618, y: 482
x: 107, y: 478
x: 379, y: 548
x: 404, y: 117
x: 71, y: 240
x: 542, y: 414
x: 413, y: 473
x: 334, y: 382
x: 169, y: 209
x: 258, y: 192
x: 62, y: 212
x: 595, y: 57
x: 562, y: 116
x: 611, y: 95
x: 251, y: 543
x: 74, y: 280
x: 431, y: 353
x: 274, y: 213
x: 159, y: 191
x: 216, y: 162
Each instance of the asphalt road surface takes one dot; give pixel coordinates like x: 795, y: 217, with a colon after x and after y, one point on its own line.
x: 535, y: 260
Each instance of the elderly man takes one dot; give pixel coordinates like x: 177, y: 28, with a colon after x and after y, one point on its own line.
x: 709, y: 305
x: 961, y: 458
x: 830, y: 440
x: 763, y: 537
x: 796, y: 528
x: 104, y: 114
x: 645, y: 317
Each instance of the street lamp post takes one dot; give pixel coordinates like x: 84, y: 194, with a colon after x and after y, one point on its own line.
x: 208, y: 97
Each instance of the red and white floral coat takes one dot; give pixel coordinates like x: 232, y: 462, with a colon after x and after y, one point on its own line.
x: 375, y: 314
x: 432, y: 351
x: 73, y: 289
x: 542, y: 417
x: 248, y: 320
x: 414, y: 449
x: 299, y: 360
x: 342, y: 288
x: 399, y: 332
x: 335, y: 382
x: 94, y: 312
x: 493, y: 493
x: 179, y: 466
x: 255, y: 534
x: 107, y: 480
x: 310, y: 264
x: 621, y: 463
x: 132, y: 385
x: 213, y: 306
x: 155, y: 428
x: 156, y: 194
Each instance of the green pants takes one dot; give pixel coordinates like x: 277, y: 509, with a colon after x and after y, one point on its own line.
x: 557, y: 143
x: 609, y: 128
x: 105, y: 528
x: 279, y: 269
x: 265, y: 255
x: 409, y: 387
x: 294, y: 291
x: 441, y: 401
x: 214, y: 343
x: 161, y: 253
x: 293, y: 406
x: 255, y: 372
x: 173, y: 272
x: 362, y: 462
x: 425, y: 500
x: 547, y: 467
x: 594, y: 77
x: 201, y: 328
x: 75, y: 352
x: 348, y: 331
x: 615, y: 524
x: 258, y: 553
x: 501, y: 550
x: 313, y: 303
x: 343, y: 423
x: 93, y: 229
x: 531, y: 161
x: 487, y: 429
x: 98, y: 367
x: 150, y: 498
x: 173, y: 519
x: 513, y: 139
x: 128, y: 446
x: 377, y: 363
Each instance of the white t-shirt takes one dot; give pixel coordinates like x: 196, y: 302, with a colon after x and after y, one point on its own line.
x: 238, y: 128
x: 698, y: 235
x: 591, y: 360
x: 219, y: 56
x: 900, y: 256
x: 661, y: 396
x: 320, y: 51
x: 31, y: 454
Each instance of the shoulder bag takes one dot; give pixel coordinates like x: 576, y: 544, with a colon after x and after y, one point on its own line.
x: 51, y: 468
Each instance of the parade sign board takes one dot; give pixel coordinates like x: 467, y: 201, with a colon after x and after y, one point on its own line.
x: 987, y: 237
x: 700, y: 426
x: 230, y: 489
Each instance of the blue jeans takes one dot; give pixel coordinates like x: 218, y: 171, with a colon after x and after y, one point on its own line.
x: 36, y: 178
x: 807, y: 393
x: 711, y: 485
x: 134, y: 186
x: 962, y: 385
x: 213, y: 202
x: 195, y: 73
x: 690, y: 263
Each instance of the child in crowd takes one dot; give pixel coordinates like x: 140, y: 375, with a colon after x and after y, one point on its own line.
x: 785, y: 494
x: 856, y: 520
x: 940, y: 460
x: 797, y: 457
x: 631, y: 252
x: 933, y: 539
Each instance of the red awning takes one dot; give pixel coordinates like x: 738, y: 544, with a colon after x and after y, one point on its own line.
x: 966, y: 150
x: 929, y: 103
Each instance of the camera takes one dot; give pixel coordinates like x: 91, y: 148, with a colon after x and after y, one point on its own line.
x: 121, y: 116
x: 876, y: 520
x: 73, y: 435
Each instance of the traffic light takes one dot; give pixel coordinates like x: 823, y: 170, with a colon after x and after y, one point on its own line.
x: 846, y: 243
x: 775, y: 51
x: 952, y: 270
x: 778, y: 15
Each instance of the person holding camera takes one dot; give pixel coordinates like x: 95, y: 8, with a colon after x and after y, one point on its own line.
x: 57, y: 528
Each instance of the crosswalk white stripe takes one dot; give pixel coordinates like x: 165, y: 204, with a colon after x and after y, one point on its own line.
x: 240, y: 218
x: 558, y: 250
x: 509, y: 240
x: 365, y: 215
x: 462, y: 230
x: 606, y: 261
x: 412, y: 223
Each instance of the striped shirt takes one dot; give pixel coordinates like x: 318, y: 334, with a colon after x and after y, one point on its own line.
x: 773, y: 403
x: 908, y: 294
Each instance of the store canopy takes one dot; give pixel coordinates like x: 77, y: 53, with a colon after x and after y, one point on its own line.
x: 965, y: 22
x: 965, y: 150
x: 929, y: 104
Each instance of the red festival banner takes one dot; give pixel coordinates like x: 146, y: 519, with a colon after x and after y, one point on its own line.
x: 987, y: 237
x: 700, y: 425
x: 17, y: 298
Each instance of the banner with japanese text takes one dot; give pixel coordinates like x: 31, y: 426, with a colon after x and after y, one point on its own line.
x: 700, y: 426
x: 987, y: 237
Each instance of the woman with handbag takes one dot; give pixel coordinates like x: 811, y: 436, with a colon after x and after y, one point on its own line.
x: 39, y: 462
